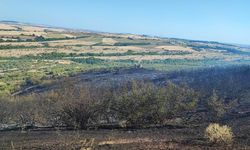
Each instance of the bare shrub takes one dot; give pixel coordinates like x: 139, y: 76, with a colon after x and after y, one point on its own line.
x: 76, y: 105
x: 219, y: 134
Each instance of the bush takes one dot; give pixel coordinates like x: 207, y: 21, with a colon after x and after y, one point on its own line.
x: 75, y: 107
x: 219, y: 134
x: 216, y: 106
x: 144, y: 103
x: 4, y: 107
x: 136, y: 103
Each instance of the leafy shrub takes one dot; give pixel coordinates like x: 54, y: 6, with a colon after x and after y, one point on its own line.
x: 144, y: 103
x: 219, y: 134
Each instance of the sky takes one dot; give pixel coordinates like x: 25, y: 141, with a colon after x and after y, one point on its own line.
x: 214, y: 20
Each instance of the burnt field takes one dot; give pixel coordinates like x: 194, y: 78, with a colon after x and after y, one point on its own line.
x: 153, y: 138
x: 131, y: 108
x: 231, y: 82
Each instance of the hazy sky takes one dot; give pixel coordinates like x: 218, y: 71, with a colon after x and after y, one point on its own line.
x: 217, y: 20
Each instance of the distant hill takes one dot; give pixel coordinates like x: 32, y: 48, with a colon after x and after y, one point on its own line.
x: 32, y: 54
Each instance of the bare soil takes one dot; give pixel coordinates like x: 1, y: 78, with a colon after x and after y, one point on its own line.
x: 154, y: 138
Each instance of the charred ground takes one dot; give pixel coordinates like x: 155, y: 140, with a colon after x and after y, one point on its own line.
x: 181, y: 128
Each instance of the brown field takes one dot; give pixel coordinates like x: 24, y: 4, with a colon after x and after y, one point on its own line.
x: 21, y: 43
x: 161, y: 57
x: 175, y: 48
x: 25, y: 52
x: 18, y: 33
x: 7, y: 27
x: 70, y: 42
x: 109, y: 41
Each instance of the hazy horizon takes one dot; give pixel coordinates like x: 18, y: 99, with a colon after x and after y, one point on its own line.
x: 223, y: 21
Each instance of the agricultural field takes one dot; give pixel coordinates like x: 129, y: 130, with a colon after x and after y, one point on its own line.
x: 76, y: 89
x: 32, y: 54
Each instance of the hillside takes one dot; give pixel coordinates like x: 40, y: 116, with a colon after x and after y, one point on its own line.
x: 34, y: 54
x: 64, y: 88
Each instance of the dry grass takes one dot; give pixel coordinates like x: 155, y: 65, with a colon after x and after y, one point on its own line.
x: 126, y: 141
x: 22, y: 43
x: 109, y: 41
x: 19, y: 33
x: 33, y: 28
x: 119, y: 48
x: 70, y: 42
x: 24, y: 52
x: 39, y: 28
x: 219, y: 134
x: 7, y: 27
x: 64, y: 62
x: 162, y: 57
x: 175, y: 48
x: 69, y: 35
x: 42, y: 50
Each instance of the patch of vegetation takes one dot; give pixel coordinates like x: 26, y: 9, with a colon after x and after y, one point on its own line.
x: 136, y: 103
x: 148, y: 104
x: 6, y: 47
x: 47, y: 65
x: 219, y: 134
x: 130, y: 44
x: 90, y: 60
x: 222, y: 48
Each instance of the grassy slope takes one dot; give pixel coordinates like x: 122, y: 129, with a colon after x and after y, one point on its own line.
x: 32, y: 54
